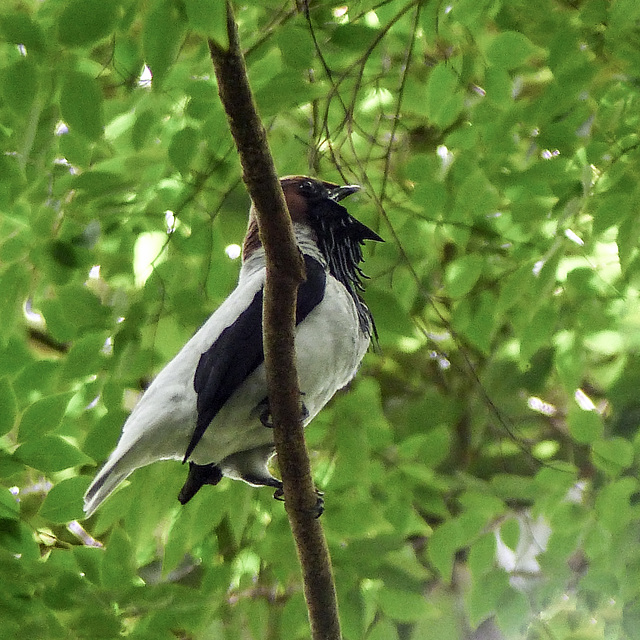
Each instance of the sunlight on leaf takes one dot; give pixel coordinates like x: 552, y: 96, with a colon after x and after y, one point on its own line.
x: 148, y: 253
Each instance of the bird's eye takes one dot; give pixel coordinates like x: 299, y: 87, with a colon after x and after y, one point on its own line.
x: 307, y: 188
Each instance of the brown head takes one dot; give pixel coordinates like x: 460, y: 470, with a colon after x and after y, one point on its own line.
x: 314, y: 203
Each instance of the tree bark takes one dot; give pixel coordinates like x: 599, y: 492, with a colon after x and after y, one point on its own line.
x: 285, y: 271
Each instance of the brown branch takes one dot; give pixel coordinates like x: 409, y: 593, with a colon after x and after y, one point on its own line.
x: 285, y: 271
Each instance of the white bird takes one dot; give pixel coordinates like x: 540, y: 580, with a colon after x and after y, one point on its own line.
x: 209, y: 405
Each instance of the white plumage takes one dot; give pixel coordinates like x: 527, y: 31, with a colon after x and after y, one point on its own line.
x: 330, y: 344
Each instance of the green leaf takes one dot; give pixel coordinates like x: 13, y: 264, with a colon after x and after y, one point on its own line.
x: 13, y: 291
x: 9, y: 505
x: 64, y: 502
x: 613, y: 455
x: 485, y: 595
x: 442, y: 81
x: 141, y: 129
x: 94, y: 622
x: 430, y: 448
x: 442, y: 547
x: 613, y: 504
x: 83, y: 22
x: 118, y: 566
x: 296, y: 46
x: 513, y: 487
x: 76, y: 149
x: 383, y: 630
x: 209, y: 18
x: 443, y: 100
x: 499, y: 86
x: 477, y: 197
x: 19, y: 28
x: 9, y: 465
x: 627, y: 240
x: 286, y: 90
x: 183, y: 148
x: 17, y: 537
x: 89, y: 561
x: 14, y: 356
x: 189, y: 527
x: 477, y: 319
x: 8, y: 406
x: 404, y: 606
x: 612, y: 209
x: 510, y: 532
x: 12, y: 180
x: 81, y: 105
x: 99, y: 183
x: 163, y: 31
x: 510, y: 49
x: 103, y: 437
x: 470, y: 12
x: 585, y: 426
x: 514, y: 286
x: 479, y: 506
x: 537, y: 333
x: 391, y: 318
x: 50, y: 453
x: 20, y: 85
x: 556, y: 480
x: 84, y: 358
x: 43, y: 416
x: 83, y: 309
x: 570, y: 365
x: 513, y: 612
x: 462, y: 275
x: 482, y: 556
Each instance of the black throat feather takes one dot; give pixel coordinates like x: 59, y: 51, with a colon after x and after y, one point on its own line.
x: 340, y: 239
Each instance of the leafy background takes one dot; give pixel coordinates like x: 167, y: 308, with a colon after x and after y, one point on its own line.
x: 481, y: 473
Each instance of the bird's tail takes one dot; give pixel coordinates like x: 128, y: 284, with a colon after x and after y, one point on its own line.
x: 104, y: 484
x: 144, y: 440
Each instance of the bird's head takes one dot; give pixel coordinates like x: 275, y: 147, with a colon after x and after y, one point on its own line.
x: 315, y: 204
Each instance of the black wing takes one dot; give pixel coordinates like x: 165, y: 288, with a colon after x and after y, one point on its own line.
x: 238, y: 351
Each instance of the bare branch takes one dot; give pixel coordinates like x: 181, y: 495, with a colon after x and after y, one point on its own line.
x: 285, y: 271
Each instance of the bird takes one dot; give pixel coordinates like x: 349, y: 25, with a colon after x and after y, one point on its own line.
x: 209, y: 405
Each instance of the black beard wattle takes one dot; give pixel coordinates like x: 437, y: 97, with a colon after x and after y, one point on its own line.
x: 340, y: 239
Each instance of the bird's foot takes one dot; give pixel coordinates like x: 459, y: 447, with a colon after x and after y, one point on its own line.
x: 265, y: 413
x: 317, y: 510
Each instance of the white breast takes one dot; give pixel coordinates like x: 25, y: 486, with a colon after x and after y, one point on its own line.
x: 329, y: 348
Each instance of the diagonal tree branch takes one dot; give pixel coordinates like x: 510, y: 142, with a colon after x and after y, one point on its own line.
x: 285, y: 271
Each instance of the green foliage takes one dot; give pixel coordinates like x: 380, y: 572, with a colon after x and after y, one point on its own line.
x: 482, y: 468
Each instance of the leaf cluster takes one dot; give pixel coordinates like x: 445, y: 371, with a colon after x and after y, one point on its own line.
x: 481, y: 471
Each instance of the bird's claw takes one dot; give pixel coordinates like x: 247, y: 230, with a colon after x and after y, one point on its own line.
x: 265, y: 413
x: 319, y: 506
x: 317, y: 510
x: 265, y: 416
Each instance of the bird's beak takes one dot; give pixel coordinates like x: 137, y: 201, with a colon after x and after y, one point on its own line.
x: 340, y: 193
x: 363, y: 232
